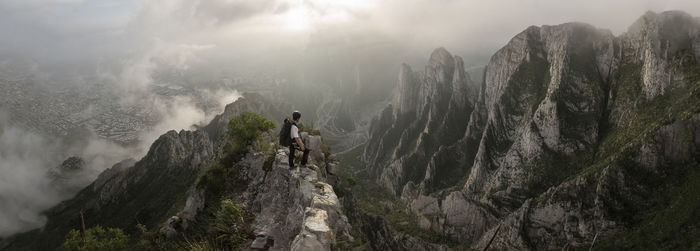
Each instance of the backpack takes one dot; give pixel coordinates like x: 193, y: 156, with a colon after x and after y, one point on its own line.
x: 285, y: 137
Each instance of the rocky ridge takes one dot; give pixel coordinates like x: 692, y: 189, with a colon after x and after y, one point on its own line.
x: 129, y: 193
x: 565, y: 141
x: 424, y: 113
x: 292, y: 209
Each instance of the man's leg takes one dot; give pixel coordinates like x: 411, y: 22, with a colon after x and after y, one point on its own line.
x: 291, y: 156
x: 305, y: 157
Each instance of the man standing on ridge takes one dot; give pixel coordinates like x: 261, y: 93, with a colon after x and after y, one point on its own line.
x: 296, y: 141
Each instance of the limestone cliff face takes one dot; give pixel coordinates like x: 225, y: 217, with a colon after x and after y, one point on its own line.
x: 543, y: 98
x: 428, y: 108
x: 652, y: 55
x: 540, y: 152
x: 653, y: 40
x: 608, y: 201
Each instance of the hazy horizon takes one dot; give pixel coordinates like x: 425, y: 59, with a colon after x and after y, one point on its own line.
x: 107, y: 37
x: 124, y: 45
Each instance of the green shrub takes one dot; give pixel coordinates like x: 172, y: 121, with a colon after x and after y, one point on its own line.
x: 230, y: 225
x: 97, y: 238
x: 243, y: 130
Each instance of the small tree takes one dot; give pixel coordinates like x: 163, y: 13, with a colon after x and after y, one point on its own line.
x: 97, y: 238
x: 243, y: 130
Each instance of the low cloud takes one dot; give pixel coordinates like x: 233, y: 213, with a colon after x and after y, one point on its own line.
x: 182, y: 113
x: 26, y: 159
x: 134, y: 75
x: 24, y: 187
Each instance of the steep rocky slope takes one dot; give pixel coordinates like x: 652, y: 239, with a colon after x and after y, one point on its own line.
x: 171, y: 192
x: 129, y: 193
x: 379, y: 234
x: 574, y: 135
x: 291, y: 209
x: 426, y: 112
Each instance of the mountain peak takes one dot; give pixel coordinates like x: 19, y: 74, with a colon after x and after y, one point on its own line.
x: 656, y: 37
x: 441, y: 56
x: 667, y: 20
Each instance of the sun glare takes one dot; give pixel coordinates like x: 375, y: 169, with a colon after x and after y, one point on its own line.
x: 297, y: 19
x: 303, y: 16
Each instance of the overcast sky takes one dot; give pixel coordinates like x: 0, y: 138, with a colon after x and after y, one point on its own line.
x: 125, y: 41
x: 183, y: 32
